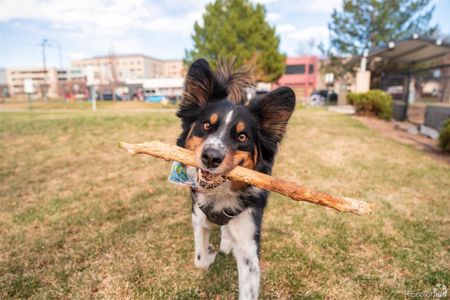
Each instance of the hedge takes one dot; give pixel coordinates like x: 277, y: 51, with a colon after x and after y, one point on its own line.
x: 373, y: 102
x: 444, y: 137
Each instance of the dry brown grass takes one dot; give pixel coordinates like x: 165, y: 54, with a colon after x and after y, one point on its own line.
x: 78, y: 105
x: 80, y: 219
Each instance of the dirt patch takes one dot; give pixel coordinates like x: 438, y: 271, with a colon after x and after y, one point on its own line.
x: 392, y: 130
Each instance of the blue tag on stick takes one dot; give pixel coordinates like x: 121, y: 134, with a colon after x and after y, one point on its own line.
x: 179, y: 175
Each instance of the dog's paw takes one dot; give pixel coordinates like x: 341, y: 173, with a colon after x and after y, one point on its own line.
x: 226, y: 246
x: 203, y: 261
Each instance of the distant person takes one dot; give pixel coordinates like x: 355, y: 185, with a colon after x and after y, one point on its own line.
x: 140, y: 95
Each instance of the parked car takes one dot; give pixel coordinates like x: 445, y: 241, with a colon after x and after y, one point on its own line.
x: 108, y: 97
x: 320, y: 97
x: 396, y: 91
x: 155, y: 99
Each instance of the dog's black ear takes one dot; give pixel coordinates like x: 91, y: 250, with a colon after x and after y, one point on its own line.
x: 201, y: 86
x: 273, y: 111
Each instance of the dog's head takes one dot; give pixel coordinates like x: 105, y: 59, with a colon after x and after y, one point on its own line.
x: 222, y: 129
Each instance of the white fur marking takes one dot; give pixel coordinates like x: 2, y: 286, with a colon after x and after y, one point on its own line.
x: 242, y: 230
x: 237, y: 236
x: 226, y: 240
x: 228, y: 117
x: 203, y: 257
x: 221, y: 197
x: 214, y: 142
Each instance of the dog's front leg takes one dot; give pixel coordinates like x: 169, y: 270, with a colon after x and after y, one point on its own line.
x: 226, y: 240
x: 204, y: 253
x: 245, y: 250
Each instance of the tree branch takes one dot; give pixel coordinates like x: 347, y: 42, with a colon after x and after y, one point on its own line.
x: 264, y: 181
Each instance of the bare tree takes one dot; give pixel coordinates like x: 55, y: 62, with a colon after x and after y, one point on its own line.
x: 113, y: 68
x: 307, y: 47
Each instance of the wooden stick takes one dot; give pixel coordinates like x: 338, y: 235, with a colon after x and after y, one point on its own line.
x: 264, y: 181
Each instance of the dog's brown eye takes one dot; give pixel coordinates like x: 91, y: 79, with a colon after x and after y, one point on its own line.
x: 242, y: 137
x: 206, y: 126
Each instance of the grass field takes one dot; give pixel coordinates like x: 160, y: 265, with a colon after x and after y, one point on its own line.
x: 60, y: 104
x: 79, y: 219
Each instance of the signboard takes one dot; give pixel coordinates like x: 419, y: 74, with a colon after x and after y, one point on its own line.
x: 329, y: 78
x: 28, y: 86
x: 90, y: 79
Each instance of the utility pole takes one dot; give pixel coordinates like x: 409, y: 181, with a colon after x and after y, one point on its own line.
x: 45, y: 89
x: 61, y: 67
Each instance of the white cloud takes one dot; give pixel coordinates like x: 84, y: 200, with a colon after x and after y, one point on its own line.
x: 285, y: 28
x: 317, y: 6
x: 273, y: 16
x: 315, y: 32
x: 112, y: 18
x: 76, y: 55
x: 264, y: 1
x: 291, y: 32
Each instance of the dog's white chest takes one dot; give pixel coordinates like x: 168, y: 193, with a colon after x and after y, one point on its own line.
x: 219, y: 198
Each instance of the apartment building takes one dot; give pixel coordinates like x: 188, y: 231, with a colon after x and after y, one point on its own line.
x: 50, y: 80
x: 301, y: 74
x: 173, y: 69
x: 119, y: 68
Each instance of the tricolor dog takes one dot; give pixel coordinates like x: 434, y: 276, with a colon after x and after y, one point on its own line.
x: 225, y: 130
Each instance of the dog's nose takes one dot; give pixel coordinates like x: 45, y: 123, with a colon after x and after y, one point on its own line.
x: 212, y: 158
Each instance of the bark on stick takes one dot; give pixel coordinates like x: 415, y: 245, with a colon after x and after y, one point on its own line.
x: 290, y: 189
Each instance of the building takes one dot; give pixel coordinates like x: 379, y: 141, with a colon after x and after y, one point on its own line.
x: 119, y: 68
x: 2, y: 76
x: 50, y: 80
x: 167, y: 87
x: 3, y: 84
x: 75, y: 86
x: 301, y: 74
x: 173, y: 69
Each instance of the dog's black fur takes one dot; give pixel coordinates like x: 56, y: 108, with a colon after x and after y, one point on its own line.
x: 225, y: 130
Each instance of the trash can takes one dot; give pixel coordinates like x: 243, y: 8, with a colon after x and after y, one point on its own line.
x: 399, y: 111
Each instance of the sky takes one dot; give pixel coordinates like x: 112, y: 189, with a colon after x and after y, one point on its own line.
x: 158, y: 28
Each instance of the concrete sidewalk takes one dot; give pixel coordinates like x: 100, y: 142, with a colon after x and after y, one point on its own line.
x: 342, y: 109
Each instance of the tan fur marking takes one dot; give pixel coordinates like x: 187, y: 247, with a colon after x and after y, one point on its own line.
x: 213, y: 119
x: 240, y: 127
x: 193, y: 142
x: 244, y: 159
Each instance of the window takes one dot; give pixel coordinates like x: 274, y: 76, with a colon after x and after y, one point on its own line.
x: 311, y: 69
x: 295, y: 69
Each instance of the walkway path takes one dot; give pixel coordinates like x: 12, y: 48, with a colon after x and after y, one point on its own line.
x: 391, y: 130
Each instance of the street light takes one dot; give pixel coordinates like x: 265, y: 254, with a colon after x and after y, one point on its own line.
x: 48, y: 43
x: 44, y: 63
x: 61, y: 66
